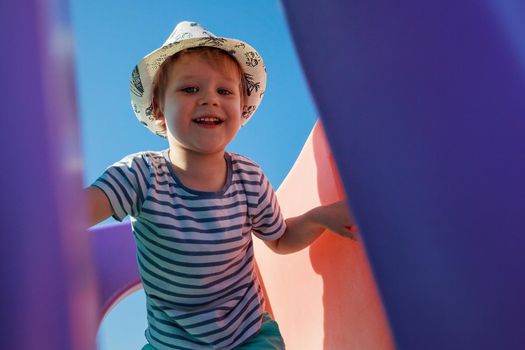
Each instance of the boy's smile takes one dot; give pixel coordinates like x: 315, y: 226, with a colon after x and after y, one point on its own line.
x: 202, y: 104
x: 208, y: 122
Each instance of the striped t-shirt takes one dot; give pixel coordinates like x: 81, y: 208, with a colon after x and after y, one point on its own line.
x: 194, y: 248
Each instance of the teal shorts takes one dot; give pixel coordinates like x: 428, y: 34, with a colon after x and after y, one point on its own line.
x: 268, y: 338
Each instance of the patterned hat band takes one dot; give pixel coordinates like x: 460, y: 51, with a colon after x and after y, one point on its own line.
x: 188, y: 35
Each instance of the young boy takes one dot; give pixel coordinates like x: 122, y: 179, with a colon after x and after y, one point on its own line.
x: 194, y: 206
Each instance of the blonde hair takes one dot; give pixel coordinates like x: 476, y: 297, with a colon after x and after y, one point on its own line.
x: 216, y: 57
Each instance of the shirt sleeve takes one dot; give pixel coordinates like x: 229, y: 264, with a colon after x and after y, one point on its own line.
x: 267, y: 220
x: 125, y: 183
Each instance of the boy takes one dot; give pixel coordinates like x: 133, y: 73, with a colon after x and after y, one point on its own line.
x: 194, y: 206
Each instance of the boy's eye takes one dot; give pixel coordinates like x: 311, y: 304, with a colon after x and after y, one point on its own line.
x: 224, y: 92
x: 190, y: 89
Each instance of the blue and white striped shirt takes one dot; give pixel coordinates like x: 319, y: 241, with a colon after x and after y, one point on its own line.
x: 194, y: 248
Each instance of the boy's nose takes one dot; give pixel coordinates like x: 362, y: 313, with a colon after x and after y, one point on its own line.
x: 209, y: 98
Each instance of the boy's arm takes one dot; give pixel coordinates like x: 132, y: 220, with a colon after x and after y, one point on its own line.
x: 303, y: 230
x: 98, y: 205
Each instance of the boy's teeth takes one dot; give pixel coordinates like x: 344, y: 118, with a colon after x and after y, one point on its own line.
x: 208, y: 120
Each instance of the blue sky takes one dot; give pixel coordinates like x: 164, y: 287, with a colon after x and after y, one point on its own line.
x: 112, y: 36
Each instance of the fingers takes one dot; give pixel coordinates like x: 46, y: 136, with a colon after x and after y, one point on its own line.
x: 351, y: 232
x: 352, y: 228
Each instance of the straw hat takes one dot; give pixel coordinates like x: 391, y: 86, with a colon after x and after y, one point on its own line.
x: 187, y: 35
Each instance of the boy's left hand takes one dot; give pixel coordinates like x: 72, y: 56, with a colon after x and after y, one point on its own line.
x: 338, y: 218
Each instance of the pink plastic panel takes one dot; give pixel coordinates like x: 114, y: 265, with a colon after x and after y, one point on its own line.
x: 324, y: 296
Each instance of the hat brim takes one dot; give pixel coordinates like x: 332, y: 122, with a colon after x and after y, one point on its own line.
x: 249, y: 60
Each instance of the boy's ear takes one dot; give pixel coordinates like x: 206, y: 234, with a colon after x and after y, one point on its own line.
x: 158, y: 114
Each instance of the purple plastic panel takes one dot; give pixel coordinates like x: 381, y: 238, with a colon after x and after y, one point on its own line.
x: 424, y: 107
x: 115, y: 264
x: 48, y: 292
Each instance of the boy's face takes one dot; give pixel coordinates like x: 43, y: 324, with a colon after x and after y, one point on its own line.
x: 202, y: 104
